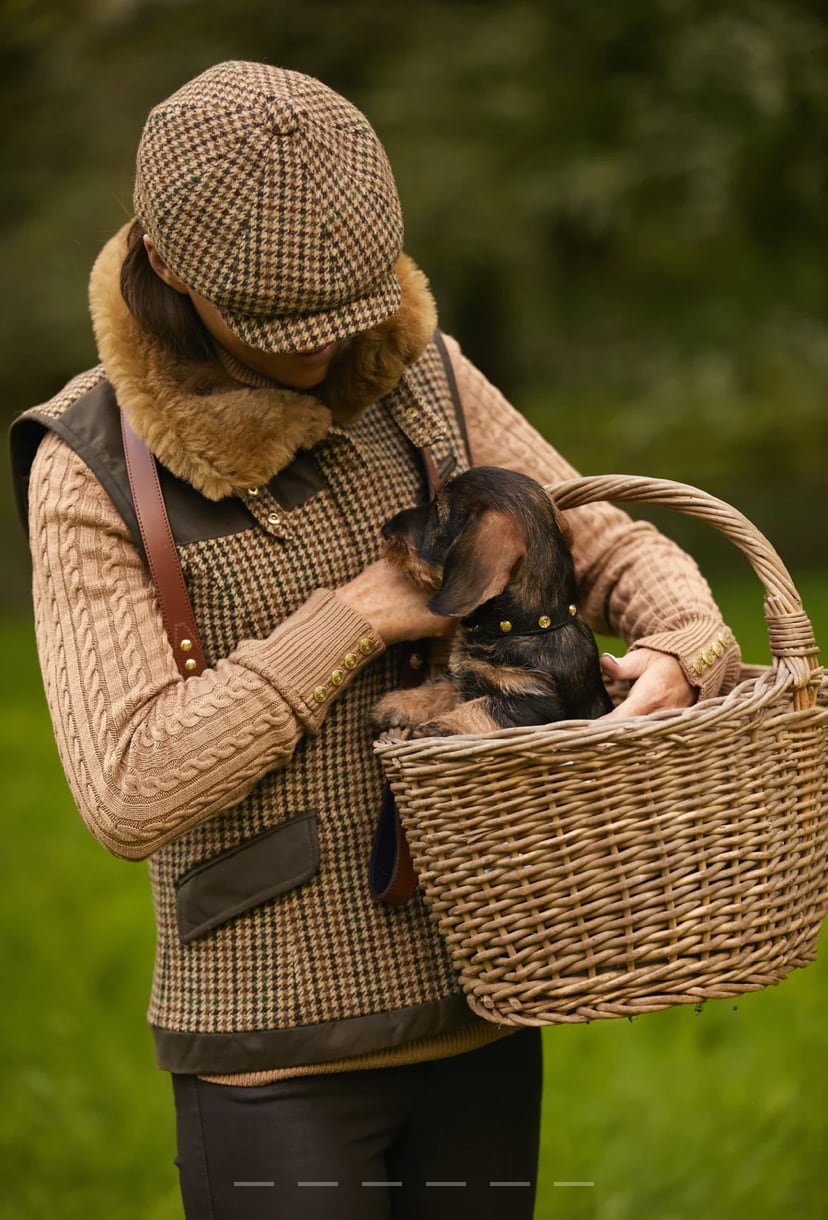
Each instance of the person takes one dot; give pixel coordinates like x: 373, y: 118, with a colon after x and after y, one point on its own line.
x: 265, y: 335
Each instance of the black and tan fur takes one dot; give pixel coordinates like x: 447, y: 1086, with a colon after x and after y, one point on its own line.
x: 492, y: 548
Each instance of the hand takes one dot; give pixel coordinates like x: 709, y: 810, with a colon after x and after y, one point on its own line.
x: 657, y: 678
x: 393, y: 606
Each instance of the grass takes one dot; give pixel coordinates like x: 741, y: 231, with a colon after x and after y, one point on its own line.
x: 680, y: 1114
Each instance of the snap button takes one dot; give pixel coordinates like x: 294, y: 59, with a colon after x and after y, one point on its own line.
x: 252, y: 491
x: 320, y: 694
x: 350, y: 660
x: 274, y: 519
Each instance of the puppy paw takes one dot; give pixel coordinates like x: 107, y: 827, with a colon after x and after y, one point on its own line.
x: 390, y: 712
x: 432, y: 728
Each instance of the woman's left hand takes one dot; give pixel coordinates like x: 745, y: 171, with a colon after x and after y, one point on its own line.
x: 657, y: 678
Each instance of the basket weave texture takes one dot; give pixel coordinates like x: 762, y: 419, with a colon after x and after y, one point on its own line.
x: 586, y: 869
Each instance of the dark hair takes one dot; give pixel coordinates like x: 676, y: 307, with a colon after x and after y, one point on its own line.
x: 167, y: 315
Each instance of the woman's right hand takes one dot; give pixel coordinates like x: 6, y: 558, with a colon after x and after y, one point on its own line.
x: 394, y: 607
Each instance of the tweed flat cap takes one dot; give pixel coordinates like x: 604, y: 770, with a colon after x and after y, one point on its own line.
x: 270, y: 195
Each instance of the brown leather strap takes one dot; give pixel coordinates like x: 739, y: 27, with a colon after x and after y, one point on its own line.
x: 162, y: 555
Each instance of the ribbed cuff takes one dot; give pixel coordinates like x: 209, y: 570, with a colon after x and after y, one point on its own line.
x: 706, y: 650
x: 314, y: 655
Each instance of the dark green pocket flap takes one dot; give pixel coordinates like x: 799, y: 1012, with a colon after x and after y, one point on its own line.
x: 247, y: 875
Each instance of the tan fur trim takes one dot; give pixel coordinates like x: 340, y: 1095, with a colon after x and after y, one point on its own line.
x: 375, y: 359
x: 223, y: 437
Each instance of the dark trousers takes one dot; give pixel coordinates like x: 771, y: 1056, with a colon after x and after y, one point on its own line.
x: 429, y: 1141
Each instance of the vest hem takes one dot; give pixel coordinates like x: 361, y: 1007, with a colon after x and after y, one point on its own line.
x: 194, y: 1053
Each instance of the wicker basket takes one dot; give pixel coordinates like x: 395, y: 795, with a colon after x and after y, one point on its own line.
x: 589, y: 869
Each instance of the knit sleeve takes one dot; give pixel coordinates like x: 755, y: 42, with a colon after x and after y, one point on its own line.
x: 634, y: 582
x: 146, y: 754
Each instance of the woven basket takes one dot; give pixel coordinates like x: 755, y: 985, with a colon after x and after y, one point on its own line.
x: 585, y: 869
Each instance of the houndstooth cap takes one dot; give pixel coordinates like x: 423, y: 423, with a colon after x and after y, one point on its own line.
x: 270, y: 195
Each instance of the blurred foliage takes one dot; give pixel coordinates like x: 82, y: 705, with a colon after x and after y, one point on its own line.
x: 621, y: 206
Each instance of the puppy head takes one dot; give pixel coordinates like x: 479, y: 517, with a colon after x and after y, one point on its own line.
x: 471, y: 540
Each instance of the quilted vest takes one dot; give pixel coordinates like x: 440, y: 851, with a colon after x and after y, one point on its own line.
x: 271, y: 951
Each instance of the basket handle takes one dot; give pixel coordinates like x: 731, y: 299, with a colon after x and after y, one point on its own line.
x: 790, y: 634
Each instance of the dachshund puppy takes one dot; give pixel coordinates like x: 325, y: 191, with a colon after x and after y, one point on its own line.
x: 493, y: 550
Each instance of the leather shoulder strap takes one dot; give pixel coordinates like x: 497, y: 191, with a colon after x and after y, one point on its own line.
x: 440, y: 344
x: 162, y: 555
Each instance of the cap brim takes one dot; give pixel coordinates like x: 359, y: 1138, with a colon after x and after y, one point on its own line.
x: 308, y: 332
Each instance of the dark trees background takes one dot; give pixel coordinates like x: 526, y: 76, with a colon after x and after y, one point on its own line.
x: 621, y: 207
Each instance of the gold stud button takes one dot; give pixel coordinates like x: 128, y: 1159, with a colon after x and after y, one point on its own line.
x: 337, y: 677
x: 350, y: 660
x: 718, y: 648
x: 544, y: 621
x: 186, y: 645
x: 698, y: 666
x: 366, y: 646
x: 415, y: 661
x: 190, y: 664
x: 274, y: 519
x: 320, y: 694
x: 505, y: 626
x: 573, y: 610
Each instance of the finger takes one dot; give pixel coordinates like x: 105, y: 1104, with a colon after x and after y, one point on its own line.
x: 626, y: 668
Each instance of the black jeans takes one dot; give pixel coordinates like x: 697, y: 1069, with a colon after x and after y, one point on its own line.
x: 428, y: 1141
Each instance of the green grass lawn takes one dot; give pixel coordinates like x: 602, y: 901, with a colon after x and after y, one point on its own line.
x: 718, y: 1114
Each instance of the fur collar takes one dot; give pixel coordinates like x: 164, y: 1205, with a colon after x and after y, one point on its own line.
x: 223, y: 436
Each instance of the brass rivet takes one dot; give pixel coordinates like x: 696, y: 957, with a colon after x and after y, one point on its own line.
x: 191, y: 664
x: 337, y: 677
x: 252, y: 491
x: 350, y: 660
x: 186, y: 645
x: 505, y: 626
x: 273, y: 519
x: 320, y: 694
x: 415, y: 661
x: 544, y: 621
x: 573, y: 609
x: 365, y: 646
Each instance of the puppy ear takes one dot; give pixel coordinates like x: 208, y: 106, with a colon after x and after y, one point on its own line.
x: 561, y: 522
x: 478, y: 565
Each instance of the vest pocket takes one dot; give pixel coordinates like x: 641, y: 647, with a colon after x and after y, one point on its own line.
x: 247, y: 875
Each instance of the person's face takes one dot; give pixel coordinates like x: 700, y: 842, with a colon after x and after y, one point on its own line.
x: 297, y: 370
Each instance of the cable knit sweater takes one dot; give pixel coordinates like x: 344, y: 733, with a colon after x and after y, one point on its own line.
x: 149, y: 757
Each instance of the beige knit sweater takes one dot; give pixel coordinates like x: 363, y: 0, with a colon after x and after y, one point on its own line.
x: 139, y: 745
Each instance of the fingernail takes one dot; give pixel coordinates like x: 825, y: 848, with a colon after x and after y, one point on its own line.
x: 610, y: 655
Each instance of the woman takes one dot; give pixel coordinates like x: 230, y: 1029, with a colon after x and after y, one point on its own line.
x: 264, y: 334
